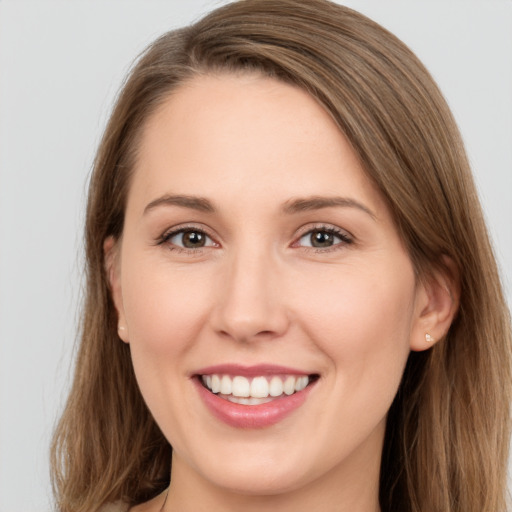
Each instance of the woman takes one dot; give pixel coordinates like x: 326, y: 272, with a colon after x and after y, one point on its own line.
x: 289, y: 282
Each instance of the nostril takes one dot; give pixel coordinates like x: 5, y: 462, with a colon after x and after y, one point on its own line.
x: 265, y: 333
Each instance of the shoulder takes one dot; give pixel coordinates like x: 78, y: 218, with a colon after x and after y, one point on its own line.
x: 152, y: 505
x: 118, y: 506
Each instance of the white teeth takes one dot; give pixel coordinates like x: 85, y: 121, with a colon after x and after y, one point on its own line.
x: 240, y: 387
x: 215, y: 384
x: 259, y: 387
x: 262, y: 389
x: 276, y: 386
x: 248, y: 401
x: 301, y: 383
x: 225, y: 385
x: 289, y: 385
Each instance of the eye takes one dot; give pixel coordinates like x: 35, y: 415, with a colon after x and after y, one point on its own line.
x: 188, y: 238
x: 323, y: 238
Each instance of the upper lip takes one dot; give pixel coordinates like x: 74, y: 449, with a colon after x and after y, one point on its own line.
x: 250, y: 371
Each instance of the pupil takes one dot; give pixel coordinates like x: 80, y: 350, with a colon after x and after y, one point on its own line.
x: 321, y: 239
x: 193, y: 239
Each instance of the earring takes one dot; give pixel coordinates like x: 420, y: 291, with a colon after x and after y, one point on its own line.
x: 120, y: 328
x: 429, y: 338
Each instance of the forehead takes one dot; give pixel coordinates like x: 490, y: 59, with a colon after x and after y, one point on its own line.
x: 236, y: 135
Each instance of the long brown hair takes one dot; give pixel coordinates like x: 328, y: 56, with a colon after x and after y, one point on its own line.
x: 447, y: 437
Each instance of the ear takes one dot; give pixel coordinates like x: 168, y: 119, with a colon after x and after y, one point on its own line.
x: 437, y: 302
x: 112, y: 259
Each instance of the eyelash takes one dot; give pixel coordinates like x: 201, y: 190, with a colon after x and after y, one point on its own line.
x: 167, y: 236
x: 345, y: 239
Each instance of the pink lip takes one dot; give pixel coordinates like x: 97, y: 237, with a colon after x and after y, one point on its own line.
x: 249, y: 371
x: 251, y: 416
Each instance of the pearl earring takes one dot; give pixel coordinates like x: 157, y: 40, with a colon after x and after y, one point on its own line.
x: 429, y: 338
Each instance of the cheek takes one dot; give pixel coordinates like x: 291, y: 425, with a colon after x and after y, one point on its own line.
x: 164, y: 310
x: 165, y: 313
x: 360, y: 308
x: 363, y: 324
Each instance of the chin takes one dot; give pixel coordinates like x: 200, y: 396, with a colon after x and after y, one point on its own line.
x: 261, y: 481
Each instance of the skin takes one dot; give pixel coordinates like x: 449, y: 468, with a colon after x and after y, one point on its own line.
x: 258, y: 292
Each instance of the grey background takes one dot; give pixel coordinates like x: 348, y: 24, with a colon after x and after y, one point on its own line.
x: 61, y: 63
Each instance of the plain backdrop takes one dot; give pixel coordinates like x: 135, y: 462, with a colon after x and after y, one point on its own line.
x: 61, y: 63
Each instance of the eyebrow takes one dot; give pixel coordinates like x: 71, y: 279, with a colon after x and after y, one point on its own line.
x: 195, y: 203
x: 318, y: 202
x: 290, y: 207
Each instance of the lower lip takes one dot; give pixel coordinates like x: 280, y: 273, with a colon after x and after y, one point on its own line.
x: 252, y: 416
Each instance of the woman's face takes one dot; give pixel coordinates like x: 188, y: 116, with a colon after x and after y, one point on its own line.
x: 256, y: 258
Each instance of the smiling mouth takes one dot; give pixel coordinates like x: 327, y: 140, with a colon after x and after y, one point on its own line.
x: 255, y: 390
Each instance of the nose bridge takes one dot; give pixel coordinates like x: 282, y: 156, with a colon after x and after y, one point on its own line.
x: 250, y: 303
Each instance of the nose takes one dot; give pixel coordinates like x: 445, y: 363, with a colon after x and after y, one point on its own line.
x: 251, y: 300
